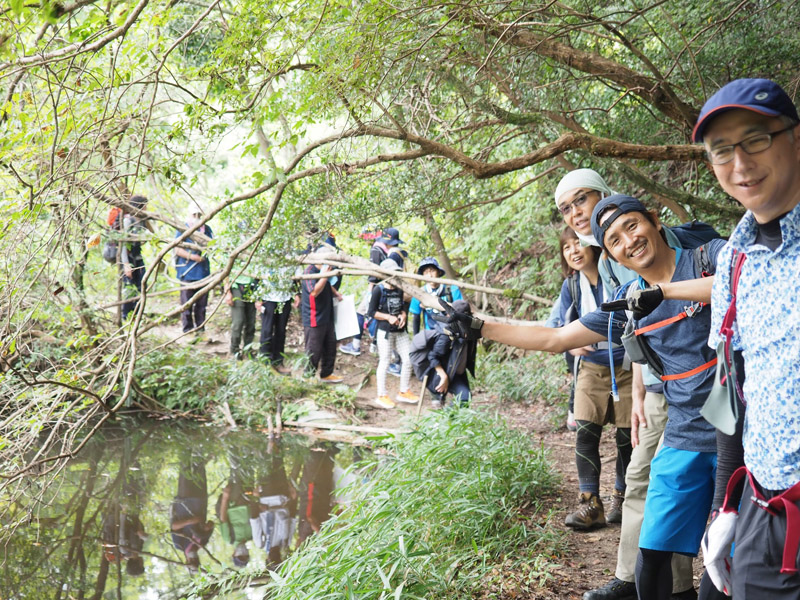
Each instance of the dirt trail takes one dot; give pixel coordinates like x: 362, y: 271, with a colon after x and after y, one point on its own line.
x: 590, y: 559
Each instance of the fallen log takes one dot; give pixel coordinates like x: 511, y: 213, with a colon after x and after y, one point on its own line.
x: 341, y: 427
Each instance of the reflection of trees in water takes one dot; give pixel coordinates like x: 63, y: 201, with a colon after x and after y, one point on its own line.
x: 84, y: 540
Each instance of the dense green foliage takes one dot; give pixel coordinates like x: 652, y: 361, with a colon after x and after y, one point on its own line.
x: 192, y: 382
x: 537, y: 377
x: 393, y: 541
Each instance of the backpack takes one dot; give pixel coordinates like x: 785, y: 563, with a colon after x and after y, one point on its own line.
x: 114, y: 217
x: 371, y: 323
x: 636, y: 345
x: 572, y: 285
x: 114, y: 220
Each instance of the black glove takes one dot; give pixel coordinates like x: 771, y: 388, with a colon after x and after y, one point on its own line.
x: 462, y: 324
x: 640, y: 302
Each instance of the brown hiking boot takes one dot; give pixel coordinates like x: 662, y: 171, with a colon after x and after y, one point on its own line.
x: 589, y: 514
x: 615, y: 510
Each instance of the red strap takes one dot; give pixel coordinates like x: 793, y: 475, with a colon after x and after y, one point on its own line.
x: 737, y: 477
x: 687, y: 374
x: 730, y: 315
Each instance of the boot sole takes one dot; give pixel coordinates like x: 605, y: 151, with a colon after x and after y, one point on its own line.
x: 585, y: 527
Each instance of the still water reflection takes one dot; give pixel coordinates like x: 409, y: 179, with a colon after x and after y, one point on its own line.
x: 145, y: 508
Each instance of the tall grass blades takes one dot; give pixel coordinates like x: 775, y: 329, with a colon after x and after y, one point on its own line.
x: 440, y: 518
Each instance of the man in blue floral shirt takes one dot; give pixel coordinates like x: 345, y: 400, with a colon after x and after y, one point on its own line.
x: 752, y: 138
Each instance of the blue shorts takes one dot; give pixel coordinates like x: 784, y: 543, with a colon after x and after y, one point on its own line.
x: 678, y: 500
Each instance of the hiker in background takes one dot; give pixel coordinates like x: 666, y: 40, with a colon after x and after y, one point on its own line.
x: 381, y: 248
x: 130, y: 259
x: 429, y: 267
x: 276, y: 291
x: 353, y: 347
x: 388, y: 308
x: 581, y: 293
x: 191, y: 266
x: 445, y: 359
x: 317, y: 314
x: 398, y: 256
x: 576, y: 196
x: 241, y: 297
x: 750, y: 129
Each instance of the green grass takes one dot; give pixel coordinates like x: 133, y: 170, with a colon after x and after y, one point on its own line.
x: 441, y: 517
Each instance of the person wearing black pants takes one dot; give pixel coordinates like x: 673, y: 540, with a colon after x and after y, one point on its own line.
x: 274, y: 319
x: 317, y: 310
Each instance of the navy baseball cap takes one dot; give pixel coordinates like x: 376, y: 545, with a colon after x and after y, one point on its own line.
x: 391, y: 237
x: 623, y: 204
x: 761, y: 96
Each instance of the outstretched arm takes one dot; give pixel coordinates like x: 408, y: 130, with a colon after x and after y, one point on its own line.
x: 693, y: 290
x: 561, y: 339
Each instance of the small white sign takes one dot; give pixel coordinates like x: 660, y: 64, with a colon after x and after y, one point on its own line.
x: 344, y: 318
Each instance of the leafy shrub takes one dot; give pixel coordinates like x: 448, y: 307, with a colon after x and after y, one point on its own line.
x: 538, y: 376
x: 185, y: 379
x: 253, y: 390
x: 180, y: 378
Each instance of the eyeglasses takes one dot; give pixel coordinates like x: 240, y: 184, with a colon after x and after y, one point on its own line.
x: 567, y: 207
x: 753, y: 145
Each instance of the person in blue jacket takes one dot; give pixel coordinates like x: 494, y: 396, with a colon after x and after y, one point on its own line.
x: 191, y: 265
x: 423, y: 318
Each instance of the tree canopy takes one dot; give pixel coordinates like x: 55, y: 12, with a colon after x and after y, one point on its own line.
x: 287, y: 117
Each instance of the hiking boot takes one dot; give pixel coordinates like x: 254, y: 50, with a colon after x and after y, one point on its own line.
x: 332, y: 378
x: 407, y: 397
x: 281, y: 370
x: 616, y: 589
x: 373, y: 348
x: 572, y: 425
x: 394, y: 369
x: 615, y: 509
x: 589, y: 513
x: 437, y: 404
x: 350, y: 349
x: 384, y: 402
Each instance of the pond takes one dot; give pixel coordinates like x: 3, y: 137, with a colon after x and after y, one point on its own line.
x: 146, y: 507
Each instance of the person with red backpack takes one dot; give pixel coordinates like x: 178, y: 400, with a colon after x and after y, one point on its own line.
x: 751, y: 132
x: 130, y: 253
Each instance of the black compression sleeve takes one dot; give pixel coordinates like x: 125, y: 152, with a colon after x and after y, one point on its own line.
x: 730, y: 456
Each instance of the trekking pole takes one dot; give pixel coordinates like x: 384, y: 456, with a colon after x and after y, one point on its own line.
x: 422, y: 394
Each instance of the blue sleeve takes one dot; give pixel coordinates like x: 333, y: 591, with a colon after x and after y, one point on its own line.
x: 456, y: 293
x: 597, y: 321
x: 714, y: 248
x: 415, y: 307
x: 554, y: 320
x: 565, y: 301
